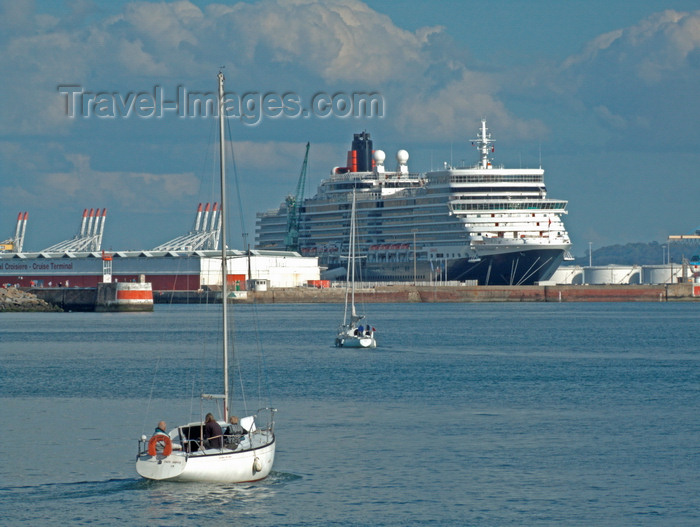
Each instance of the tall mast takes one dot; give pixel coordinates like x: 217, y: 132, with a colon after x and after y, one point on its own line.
x: 224, y: 291
x: 352, y: 251
x: 482, y: 144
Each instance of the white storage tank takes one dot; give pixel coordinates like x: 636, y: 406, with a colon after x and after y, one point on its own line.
x: 568, y: 275
x: 661, y: 274
x: 611, y: 274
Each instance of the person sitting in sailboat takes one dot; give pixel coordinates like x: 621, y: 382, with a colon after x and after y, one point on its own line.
x: 160, y: 429
x: 213, y: 436
x: 234, y: 428
x: 234, y: 432
x: 160, y: 442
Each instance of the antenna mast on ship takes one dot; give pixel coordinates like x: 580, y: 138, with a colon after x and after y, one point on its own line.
x: 482, y: 144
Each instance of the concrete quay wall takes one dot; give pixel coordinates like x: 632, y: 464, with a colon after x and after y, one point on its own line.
x: 104, y: 297
x: 553, y: 293
x: 68, y: 298
x: 85, y: 299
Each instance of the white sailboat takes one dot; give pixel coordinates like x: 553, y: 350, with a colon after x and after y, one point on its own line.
x: 183, y: 454
x: 352, y: 333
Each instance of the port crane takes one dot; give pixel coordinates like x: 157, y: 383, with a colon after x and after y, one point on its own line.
x: 291, y: 239
x: 15, y: 244
x: 89, y: 237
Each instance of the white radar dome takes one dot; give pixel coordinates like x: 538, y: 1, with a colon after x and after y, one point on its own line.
x: 402, y: 157
x: 379, y: 157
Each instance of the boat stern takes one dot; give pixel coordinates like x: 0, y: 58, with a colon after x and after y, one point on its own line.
x: 160, y: 467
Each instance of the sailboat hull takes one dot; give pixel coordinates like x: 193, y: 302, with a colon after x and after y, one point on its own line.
x: 355, y: 342
x: 224, y: 467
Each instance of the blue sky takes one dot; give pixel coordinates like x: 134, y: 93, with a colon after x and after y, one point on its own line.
x: 603, y: 94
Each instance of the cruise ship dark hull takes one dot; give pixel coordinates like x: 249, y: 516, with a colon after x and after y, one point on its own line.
x: 512, y: 268
x: 521, y: 268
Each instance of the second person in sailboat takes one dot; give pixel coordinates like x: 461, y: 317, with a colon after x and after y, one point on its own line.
x: 213, y: 436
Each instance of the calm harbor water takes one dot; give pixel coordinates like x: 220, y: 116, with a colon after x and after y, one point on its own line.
x: 467, y: 414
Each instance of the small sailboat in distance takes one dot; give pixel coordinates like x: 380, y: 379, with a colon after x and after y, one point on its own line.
x: 186, y: 453
x: 352, y: 333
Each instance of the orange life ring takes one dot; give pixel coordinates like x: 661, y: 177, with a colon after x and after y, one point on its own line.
x: 167, y: 449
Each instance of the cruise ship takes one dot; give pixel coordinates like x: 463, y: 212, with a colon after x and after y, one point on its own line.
x: 485, y: 224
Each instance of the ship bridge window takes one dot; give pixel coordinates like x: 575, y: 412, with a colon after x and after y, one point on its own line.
x: 495, y: 178
x: 511, y: 205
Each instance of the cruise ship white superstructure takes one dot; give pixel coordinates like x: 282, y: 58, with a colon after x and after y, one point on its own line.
x: 486, y: 223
